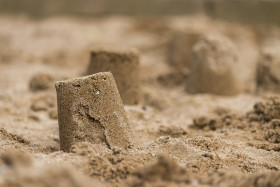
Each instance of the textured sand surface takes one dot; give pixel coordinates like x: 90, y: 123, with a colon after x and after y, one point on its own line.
x: 179, y: 138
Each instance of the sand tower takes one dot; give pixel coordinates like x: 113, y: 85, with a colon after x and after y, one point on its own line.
x: 90, y: 110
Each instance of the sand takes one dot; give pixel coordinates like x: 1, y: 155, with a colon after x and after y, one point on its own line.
x: 40, y: 82
x: 179, y: 139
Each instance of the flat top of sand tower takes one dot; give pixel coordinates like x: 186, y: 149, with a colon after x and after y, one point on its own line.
x: 96, y: 76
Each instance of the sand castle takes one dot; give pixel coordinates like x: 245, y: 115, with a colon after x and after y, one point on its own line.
x: 125, y: 67
x: 213, y: 67
x: 90, y: 110
x: 268, y: 71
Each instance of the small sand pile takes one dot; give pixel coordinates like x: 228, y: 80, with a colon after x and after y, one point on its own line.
x: 266, y: 111
x: 90, y: 109
x: 267, y: 114
x: 268, y: 73
x: 124, y: 66
x: 40, y: 82
x: 212, y: 67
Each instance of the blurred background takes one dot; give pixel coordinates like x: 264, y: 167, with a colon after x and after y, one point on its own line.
x: 249, y: 11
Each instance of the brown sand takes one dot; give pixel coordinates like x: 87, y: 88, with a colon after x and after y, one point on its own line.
x: 124, y: 65
x: 90, y: 110
x: 180, y: 139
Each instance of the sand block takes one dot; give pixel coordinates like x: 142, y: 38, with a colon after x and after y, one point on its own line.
x: 268, y: 71
x: 124, y: 65
x: 213, y: 67
x: 90, y: 110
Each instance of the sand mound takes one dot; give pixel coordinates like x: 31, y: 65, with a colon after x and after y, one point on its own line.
x: 40, y: 82
x: 212, y: 67
x: 266, y: 111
